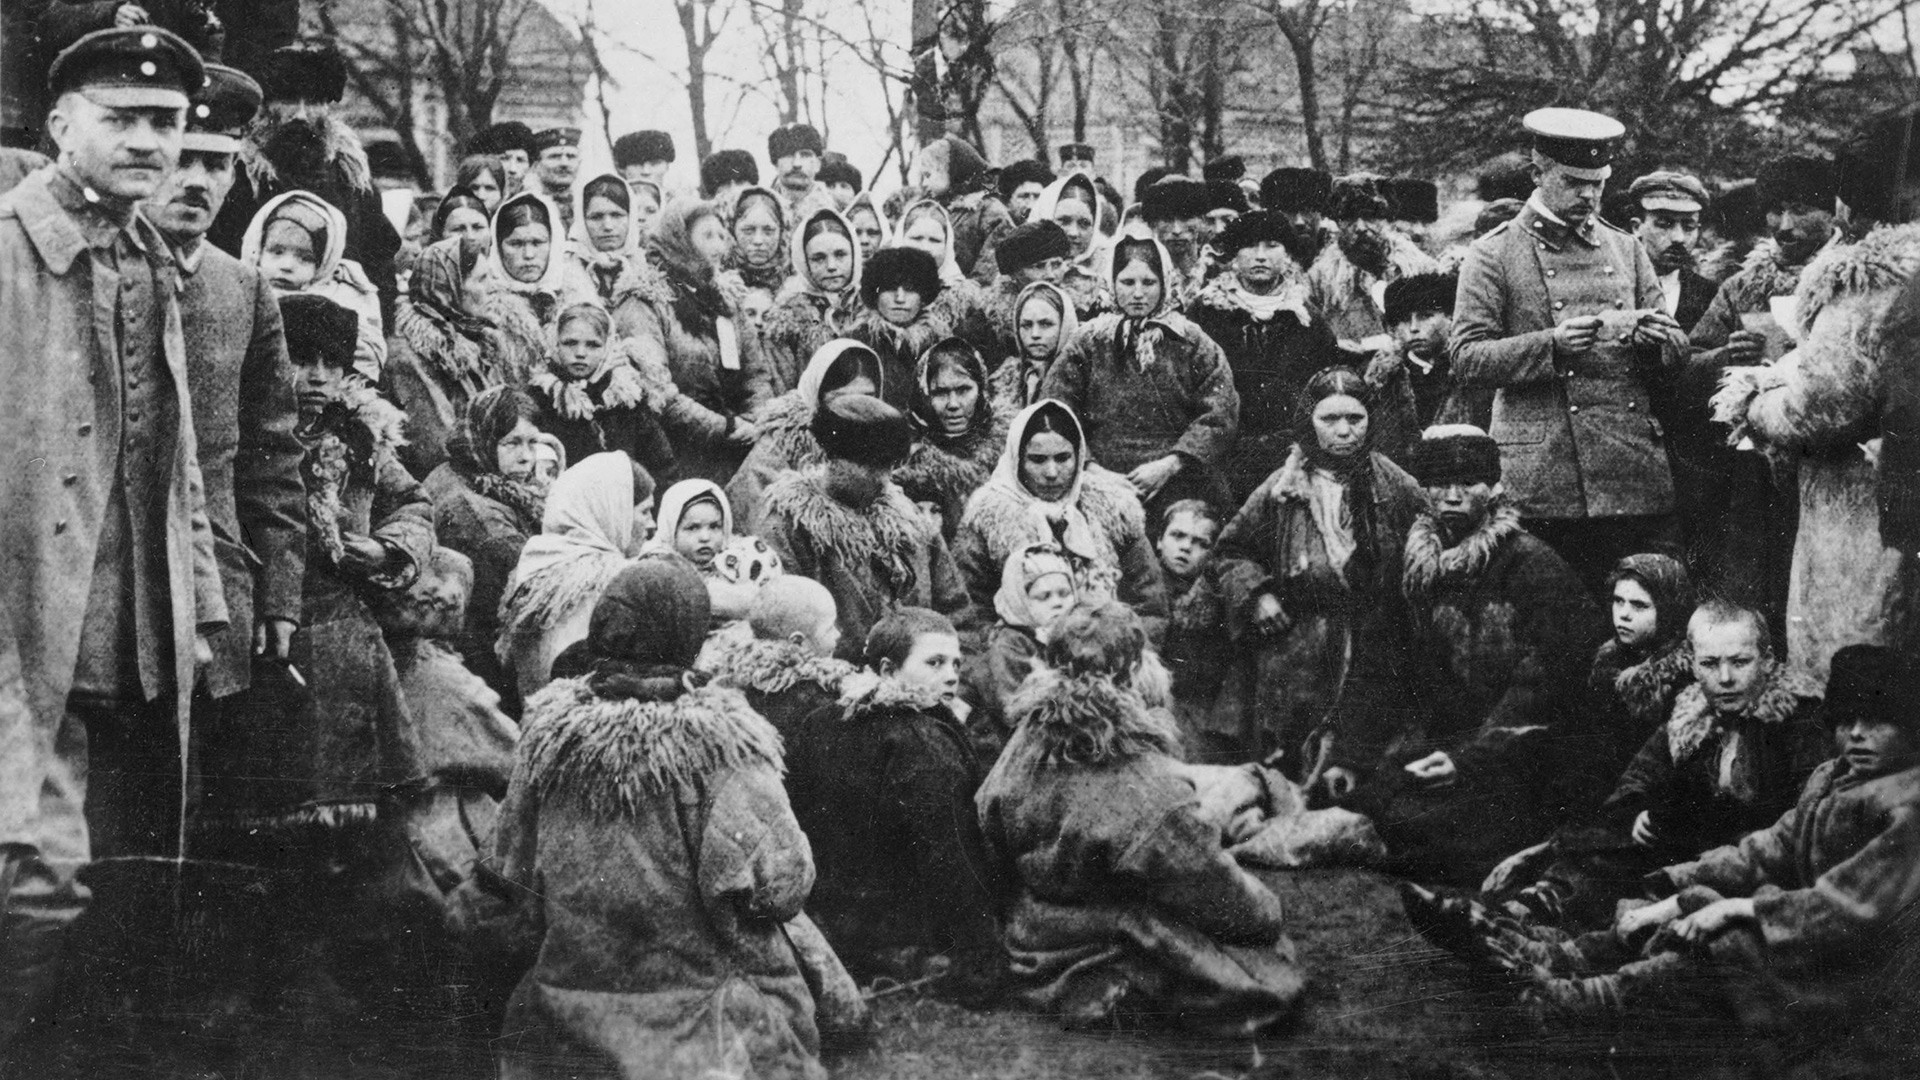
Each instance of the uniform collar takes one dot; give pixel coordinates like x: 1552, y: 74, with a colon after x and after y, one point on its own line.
x: 1547, y: 227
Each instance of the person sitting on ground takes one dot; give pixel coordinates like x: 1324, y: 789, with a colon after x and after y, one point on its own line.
x: 957, y: 432
x: 649, y: 834
x: 786, y: 668
x: 597, y: 392
x: 1038, y: 587
x: 1043, y: 326
x: 897, y: 318
x: 883, y: 783
x: 839, y: 368
x: 846, y: 524
x: 1126, y: 896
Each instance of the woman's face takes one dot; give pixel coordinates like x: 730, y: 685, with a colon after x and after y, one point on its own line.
x: 866, y: 230
x: 926, y: 233
x: 1137, y: 290
x: 954, y: 396
x: 1048, y: 466
x: 524, y: 252
x: 606, y: 224
x: 701, y: 534
x: 645, y: 209
x: 754, y: 307
x: 757, y: 234
x: 486, y: 186
x: 287, y: 258
x: 932, y: 168
x: 1039, y: 329
x: 1049, y: 597
x: 642, y: 528
x: 1635, y: 619
x: 513, y: 455
x: 1340, y: 425
x: 830, y: 261
x: 470, y: 225
x: 1076, y: 217
x: 581, y: 348
x: 710, y: 239
x: 899, y: 305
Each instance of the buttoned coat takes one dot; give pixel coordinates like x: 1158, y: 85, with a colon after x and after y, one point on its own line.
x: 1577, y: 433
x: 243, y: 416
x: 60, y: 446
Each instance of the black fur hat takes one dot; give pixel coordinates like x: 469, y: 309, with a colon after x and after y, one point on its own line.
x: 863, y: 430
x: 315, y: 324
x: 1416, y: 294
x: 1358, y: 196
x: 1028, y: 171
x: 892, y: 267
x: 310, y: 71
x: 1229, y: 168
x: 502, y: 137
x: 724, y: 167
x: 1800, y: 178
x: 640, y: 147
x: 1414, y: 200
x: 1292, y: 190
x: 1173, y: 198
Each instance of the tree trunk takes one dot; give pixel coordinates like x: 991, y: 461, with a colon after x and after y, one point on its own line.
x: 924, y: 50
x: 1300, y: 40
x: 692, y: 19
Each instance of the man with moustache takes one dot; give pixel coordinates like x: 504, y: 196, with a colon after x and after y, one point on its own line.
x: 556, y: 165
x: 1666, y: 220
x: 796, y: 151
x: 1348, y: 280
x: 110, y: 586
x: 1562, y: 315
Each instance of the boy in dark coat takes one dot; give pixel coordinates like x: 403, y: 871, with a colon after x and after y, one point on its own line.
x: 786, y: 668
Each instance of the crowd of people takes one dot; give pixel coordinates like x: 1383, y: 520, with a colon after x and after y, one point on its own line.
x: 689, y: 608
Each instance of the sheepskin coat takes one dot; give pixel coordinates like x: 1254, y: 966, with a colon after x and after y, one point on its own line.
x: 490, y: 533
x: 622, y: 407
x: 785, y: 444
x: 783, y: 682
x: 1346, y: 295
x: 872, y: 558
x: 655, y: 845
x: 1629, y: 696
x: 946, y: 472
x: 1122, y: 888
x: 1817, y: 404
x: 883, y: 782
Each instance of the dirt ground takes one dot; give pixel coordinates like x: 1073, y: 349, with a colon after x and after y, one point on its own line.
x: 1382, y: 1004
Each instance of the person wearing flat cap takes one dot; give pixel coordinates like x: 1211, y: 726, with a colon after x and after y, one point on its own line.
x: 643, y: 156
x: 1665, y: 212
x: 1562, y: 316
x: 112, y: 589
x: 556, y: 166
x: 1076, y: 157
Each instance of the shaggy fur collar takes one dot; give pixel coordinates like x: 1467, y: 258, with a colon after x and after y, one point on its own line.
x: 627, y: 379
x: 1088, y: 720
x: 640, y: 280
x: 1107, y: 500
x: 885, y: 534
x: 1762, y: 276
x: 1884, y: 259
x: 1694, y: 720
x: 955, y: 466
x: 342, y: 448
x: 785, y: 428
x: 872, y: 697
x: 772, y: 667
x: 613, y: 755
x: 1430, y: 562
x: 340, y: 144
x: 1223, y: 294
x: 1645, y: 688
x: 909, y: 341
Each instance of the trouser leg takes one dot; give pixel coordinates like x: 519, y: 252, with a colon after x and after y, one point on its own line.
x: 41, y: 872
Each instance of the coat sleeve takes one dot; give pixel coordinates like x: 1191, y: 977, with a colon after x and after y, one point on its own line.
x: 1559, y: 627
x: 1825, y: 391
x: 981, y: 578
x: 402, y: 521
x: 1066, y: 377
x: 1646, y: 778
x: 269, y: 497
x: 1850, y: 908
x: 1484, y: 353
x: 753, y: 855
x: 754, y: 362
x: 1184, y: 866
x: 1210, y: 436
x: 1240, y: 557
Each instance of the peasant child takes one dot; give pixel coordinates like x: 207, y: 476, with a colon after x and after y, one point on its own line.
x: 596, y: 394
x: 695, y: 522
x: 786, y: 668
x: 1037, y: 587
x: 298, y: 243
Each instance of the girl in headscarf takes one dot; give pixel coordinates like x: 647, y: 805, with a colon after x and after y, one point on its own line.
x: 600, y: 393
x: 1046, y: 489
x: 690, y: 322
x: 665, y: 946
x: 1155, y: 391
x: 525, y: 279
x: 606, y: 239
x: 696, y: 523
x: 298, y: 242
x: 958, y: 432
x: 598, y: 516
x: 1043, y: 323
x: 1038, y: 586
x: 837, y: 368
x: 963, y: 304
x: 759, y: 235
x: 871, y: 229
x: 1073, y: 203
x: 1308, y: 574
x: 485, y: 505
x: 820, y: 302
x: 899, y: 317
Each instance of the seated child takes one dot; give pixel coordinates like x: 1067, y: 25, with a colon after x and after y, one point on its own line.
x: 883, y: 782
x: 298, y: 241
x: 1199, y: 648
x: 1186, y: 545
x: 695, y: 522
x: 596, y: 394
x: 1126, y: 894
x: 786, y: 668
x: 1037, y: 587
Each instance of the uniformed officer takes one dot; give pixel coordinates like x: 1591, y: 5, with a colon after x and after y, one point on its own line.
x: 556, y: 164
x: 1563, y: 315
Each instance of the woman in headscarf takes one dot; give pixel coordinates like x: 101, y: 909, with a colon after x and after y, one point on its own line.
x: 821, y: 301
x: 602, y: 393
x: 485, y: 505
x: 1046, y: 489
x: 606, y: 239
x: 525, y: 279
x: 483, y: 175
x: 871, y: 229
x: 446, y: 349
x: 954, y: 173
x: 1073, y: 203
x: 1308, y: 573
x: 298, y: 241
x: 963, y: 304
x: 899, y: 318
x: 759, y: 235
x: 664, y: 945
x: 1043, y: 323
x: 958, y: 432
x: 598, y: 516
x: 1154, y: 390
x: 694, y: 327
x: 462, y: 214
x: 837, y: 368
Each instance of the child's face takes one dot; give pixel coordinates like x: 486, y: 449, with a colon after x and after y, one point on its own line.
x: 546, y: 467
x: 645, y: 209
x: 1187, y: 543
x: 1875, y: 747
x: 317, y: 383
x: 754, y: 307
x: 581, y: 348
x: 287, y: 258
x: 934, y: 664
x: 701, y: 535
x: 1039, y: 329
x: 1049, y: 597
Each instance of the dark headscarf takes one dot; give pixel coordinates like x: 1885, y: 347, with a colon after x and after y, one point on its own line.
x: 488, y: 417
x: 1356, y: 472
x: 926, y: 426
x: 455, y: 198
x: 697, y: 300
x: 1666, y: 580
x: 645, y: 633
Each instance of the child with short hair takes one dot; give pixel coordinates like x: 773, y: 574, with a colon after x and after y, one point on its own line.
x: 1187, y: 535
x: 786, y: 668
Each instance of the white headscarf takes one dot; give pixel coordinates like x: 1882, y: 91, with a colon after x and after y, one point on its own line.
x: 847, y: 298
x: 1049, y: 201
x: 949, y: 269
x: 676, y: 500
x: 814, y: 376
x: 586, y: 534
x: 553, y: 279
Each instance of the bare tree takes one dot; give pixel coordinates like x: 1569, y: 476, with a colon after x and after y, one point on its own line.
x: 1184, y: 52
x: 701, y: 31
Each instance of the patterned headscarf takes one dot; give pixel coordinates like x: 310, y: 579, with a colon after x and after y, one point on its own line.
x: 488, y: 417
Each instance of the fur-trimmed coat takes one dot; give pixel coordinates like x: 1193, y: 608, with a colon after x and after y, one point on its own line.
x: 1628, y: 697
x: 622, y: 407
x: 782, y: 681
x: 1817, y: 404
x: 1344, y: 293
x: 995, y: 524
x: 883, y: 782
x: 1120, y: 882
x: 668, y: 321
x: 656, y: 848
x: 898, y: 347
x: 491, y: 534
x: 948, y: 475
x: 785, y: 444
x: 872, y: 559
x: 798, y: 325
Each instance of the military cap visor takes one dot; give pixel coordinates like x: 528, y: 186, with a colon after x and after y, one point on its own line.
x: 552, y: 137
x: 1581, y: 141
x: 135, y: 67
x: 220, y: 111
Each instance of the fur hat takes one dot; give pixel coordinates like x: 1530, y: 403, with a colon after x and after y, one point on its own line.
x: 793, y: 138
x: 1028, y: 171
x: 1869, y: 682
x: 724, y: 167
x: 309, y: 71
x: 387, y: 160
x: 1229, y: 168
x: 1291, y: 190
x: 1506, y: 177
x: 1418, y: 293
x: 1800, y: 178
x: 315, y: 324
x: 640, y: 147
x: 890, y: 268
x: 1032, y: 243
x: 1358, y: 196
x: 1226, y: 195
x: 1174, y: 198
x: 502, y: 137
x: 1455, y: 454
x: 836, y: 169
x: 1413, y: 200
x: 1075, y: 151
x: 1879, y: 163
x: 1147, y: 179
x: 1736, y: 209
x: 863, y: 430
x: 1257, y: 226
x: 966, y: 169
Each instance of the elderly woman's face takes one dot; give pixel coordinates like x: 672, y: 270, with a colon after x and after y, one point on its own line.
x: 524, y: 252
x: 514, y: 454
